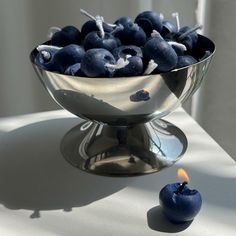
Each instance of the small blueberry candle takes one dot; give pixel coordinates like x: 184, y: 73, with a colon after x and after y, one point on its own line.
x: 143, y: 95
x: 179, y: 203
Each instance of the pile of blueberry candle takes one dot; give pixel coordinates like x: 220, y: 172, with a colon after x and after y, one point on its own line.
x: 147, y: 45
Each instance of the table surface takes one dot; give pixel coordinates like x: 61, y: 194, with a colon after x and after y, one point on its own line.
x: 41, y: 194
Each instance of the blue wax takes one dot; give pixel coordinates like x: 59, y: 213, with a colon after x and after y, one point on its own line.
x: 142, y: 95
x: 179, y: 207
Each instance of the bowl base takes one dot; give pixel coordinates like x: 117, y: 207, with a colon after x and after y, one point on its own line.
x: 124, y: 151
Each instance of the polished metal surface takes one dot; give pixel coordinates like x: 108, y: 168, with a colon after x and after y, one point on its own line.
x: 123, y: 151
x: 110, y: 100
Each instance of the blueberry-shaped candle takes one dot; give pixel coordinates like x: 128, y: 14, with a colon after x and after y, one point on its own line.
x: 179, y: 203
x: 143, y: 94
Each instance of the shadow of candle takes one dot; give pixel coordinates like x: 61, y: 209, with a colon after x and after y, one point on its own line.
x: 157, y: 221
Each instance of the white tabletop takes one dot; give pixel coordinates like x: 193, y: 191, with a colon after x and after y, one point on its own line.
x: 41, y: 194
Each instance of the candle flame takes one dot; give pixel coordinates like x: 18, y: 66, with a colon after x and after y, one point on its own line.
x: 182, y: 174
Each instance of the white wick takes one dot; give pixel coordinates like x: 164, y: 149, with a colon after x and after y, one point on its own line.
x: 99, y: 22
x: 94, y: 18
x: 156, y: 34
x: 121, y: 63
x: 52, y: 30
x: 151, y: 67
x: 82, y: 11
x: 46, y: 55
x: 98, y: 19
x: 176, y: 16
x: 196, y: 27
x: 180, y: 45
x: 135, y: 27
x: 45, y: 47
x: 162, y: 16
x: 118, y: 28
x: 111, y: 25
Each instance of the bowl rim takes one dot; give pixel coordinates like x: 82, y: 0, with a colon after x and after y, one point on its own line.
x: 33, y: 53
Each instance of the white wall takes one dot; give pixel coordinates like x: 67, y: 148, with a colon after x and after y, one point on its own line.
x: 17, y: 87
x: 219, y: 103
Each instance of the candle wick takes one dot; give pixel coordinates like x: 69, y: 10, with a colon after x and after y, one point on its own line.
x: 156, y: 34
x: 47, y: 47
x: 52, y: 30
x: 99, y: 22
x: 98, y: 19
x: 179, y: 45
x: 82, y: 11
x: 118, y: 28
x: 121, y: 63
x: 150, y: 68
x: 176, y: 16
x: 181, y: 187
x: 182, y: 36
x: 162, y: 16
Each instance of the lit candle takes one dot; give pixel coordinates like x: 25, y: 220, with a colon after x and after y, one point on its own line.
x: 142, y: 95
x: 179, y: 203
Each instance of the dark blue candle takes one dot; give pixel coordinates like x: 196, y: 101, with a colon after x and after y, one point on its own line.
x: 142, y: 95
x: 179, y: 203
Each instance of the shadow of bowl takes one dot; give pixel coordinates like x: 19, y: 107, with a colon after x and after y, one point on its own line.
x: 35, y: 176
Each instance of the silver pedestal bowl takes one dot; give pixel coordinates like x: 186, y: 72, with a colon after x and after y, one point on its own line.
x: 123, y: 135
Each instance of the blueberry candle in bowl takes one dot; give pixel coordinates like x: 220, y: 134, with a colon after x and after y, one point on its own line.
x: 179, y: 203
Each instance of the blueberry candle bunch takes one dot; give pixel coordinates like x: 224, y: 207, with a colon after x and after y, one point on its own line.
x: 147, y: 45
